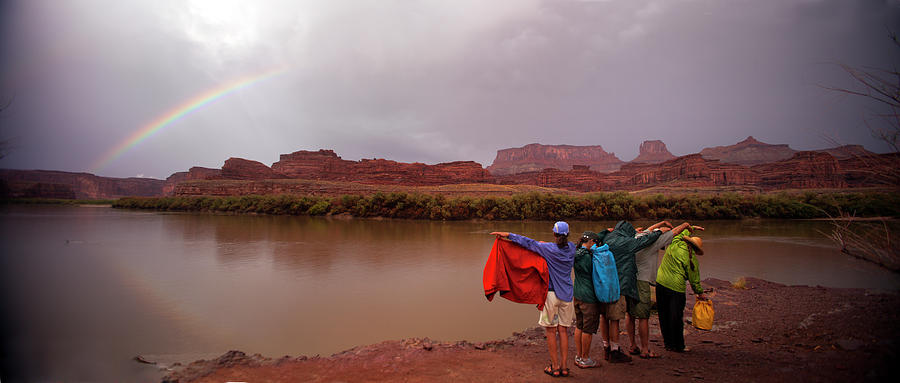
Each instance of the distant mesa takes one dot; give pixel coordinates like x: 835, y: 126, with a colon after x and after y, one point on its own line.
x: 536, y: 157
x: 748, y: 152
x: 67, y: 185
x: 653, y: 152
x: 848, y: 151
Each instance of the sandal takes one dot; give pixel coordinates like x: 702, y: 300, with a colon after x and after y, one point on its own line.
x: 550, y: 371
x: 635, y: 351
x: 563, y: 372
x: 650, y: 355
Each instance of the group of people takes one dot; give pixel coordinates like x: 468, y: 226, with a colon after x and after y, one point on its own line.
x: 613, y: 272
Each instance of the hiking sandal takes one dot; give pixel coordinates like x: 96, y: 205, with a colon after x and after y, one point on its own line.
x: 563, y: 372
x: 550, y: 371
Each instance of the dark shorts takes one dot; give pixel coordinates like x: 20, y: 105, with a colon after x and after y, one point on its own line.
x: 587, y: 316
x: 640, y: 308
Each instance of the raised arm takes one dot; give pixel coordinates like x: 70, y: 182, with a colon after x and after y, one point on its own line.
x: 658, y: 225
x: 520, y: 240
x: 678, y: 229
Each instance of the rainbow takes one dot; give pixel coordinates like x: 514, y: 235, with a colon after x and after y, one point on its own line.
x: 178, y: 113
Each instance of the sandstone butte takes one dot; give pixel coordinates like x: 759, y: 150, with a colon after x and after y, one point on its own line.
x: 748, y: 152
x: 536, y: 157
x: 653, y: 152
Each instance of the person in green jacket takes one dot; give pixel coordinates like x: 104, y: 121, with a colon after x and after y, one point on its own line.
x: 623, y: 245
x: 587, y: 307
x: 677, y: 266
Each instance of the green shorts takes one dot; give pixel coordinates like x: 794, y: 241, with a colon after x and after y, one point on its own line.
x: 640, y: 308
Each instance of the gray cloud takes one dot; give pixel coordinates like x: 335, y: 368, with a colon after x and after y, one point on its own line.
x: 429, y: 81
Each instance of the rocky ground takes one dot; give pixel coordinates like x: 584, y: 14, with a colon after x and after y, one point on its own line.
x: 765, y: 332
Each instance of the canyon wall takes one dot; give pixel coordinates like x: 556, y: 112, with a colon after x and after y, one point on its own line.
x: 56, y: 184
x: 326, y: 165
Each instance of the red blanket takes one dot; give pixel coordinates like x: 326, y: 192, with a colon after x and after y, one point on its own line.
x: 518, y: 274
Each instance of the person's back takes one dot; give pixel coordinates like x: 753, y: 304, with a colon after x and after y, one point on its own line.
x: 584, y: 269
x: 560, y: 261
x: 623, y: 245
x: 558, y: 313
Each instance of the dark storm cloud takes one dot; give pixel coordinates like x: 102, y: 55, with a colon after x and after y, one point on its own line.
x: 430, y: 81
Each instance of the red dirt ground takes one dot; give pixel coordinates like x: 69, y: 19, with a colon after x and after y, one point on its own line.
x: 767, y: 333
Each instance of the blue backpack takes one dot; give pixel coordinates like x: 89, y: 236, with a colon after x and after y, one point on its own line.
x: 606, y: 277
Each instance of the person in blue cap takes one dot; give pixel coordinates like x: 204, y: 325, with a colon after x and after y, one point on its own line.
x: 559, y: 310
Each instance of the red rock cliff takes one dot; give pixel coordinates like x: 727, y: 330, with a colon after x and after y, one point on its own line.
x: 56, y: 184
x: 195, y: 173
x: 536, y: 157
x: 326, y: 165
x: 653, y: 152
x: 802, y: 171
x: 748, y: 152
x: 241, y: 169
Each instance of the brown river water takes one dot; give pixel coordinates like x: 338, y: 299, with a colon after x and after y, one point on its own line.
x: 85, y: 289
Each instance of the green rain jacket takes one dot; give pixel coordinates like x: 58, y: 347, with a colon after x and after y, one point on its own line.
x: 584, y: 274
x: 623, y: 245
x: 675, y: 267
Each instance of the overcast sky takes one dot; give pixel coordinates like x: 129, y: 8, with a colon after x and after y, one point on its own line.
x: 430, y: 80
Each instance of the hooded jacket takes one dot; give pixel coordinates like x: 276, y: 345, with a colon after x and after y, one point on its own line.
x: 679, y: 265
x: 624, y: 245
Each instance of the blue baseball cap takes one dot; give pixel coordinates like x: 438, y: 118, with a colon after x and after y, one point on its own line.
x: 561, y: 228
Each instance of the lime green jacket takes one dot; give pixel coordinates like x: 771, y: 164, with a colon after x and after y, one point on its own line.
x: 675, y: 267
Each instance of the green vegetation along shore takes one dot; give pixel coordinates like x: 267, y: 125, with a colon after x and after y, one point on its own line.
x: 541, y: 206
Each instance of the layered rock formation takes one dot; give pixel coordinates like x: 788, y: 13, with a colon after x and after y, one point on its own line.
x: 653, y: 152
x: 848, y: 151
x: 241, y: 169
x: 805, y: 170
x: 326, y: 165
x: 687, y: 171
x: 56, y: 184
x: 748, y: 152
x: 193, y: 174
x: 536, y: 157
x: 580, y: 178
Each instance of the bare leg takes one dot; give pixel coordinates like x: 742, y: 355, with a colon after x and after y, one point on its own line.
x: 644, y: 331
x: 604, y: 329
x: 586, y: 345
x: 551, y: 346
x: 614, y: 332
x: 629, y: 323
x: 564, y: 345
x: 578, y: 343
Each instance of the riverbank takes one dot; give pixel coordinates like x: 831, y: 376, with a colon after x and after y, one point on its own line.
x: 762, y: 332
x: 540, y: 206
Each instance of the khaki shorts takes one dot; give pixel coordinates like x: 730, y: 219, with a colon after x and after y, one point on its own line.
x: 587, y: 316
x: 614, y: 310
x: 640, y: 308
x: 557, y: 312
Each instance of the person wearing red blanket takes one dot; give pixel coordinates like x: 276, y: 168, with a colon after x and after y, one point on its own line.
x: 559, y: 312
x: 518, y: 274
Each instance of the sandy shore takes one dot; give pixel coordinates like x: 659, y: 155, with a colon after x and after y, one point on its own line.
x: 767, y: 332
